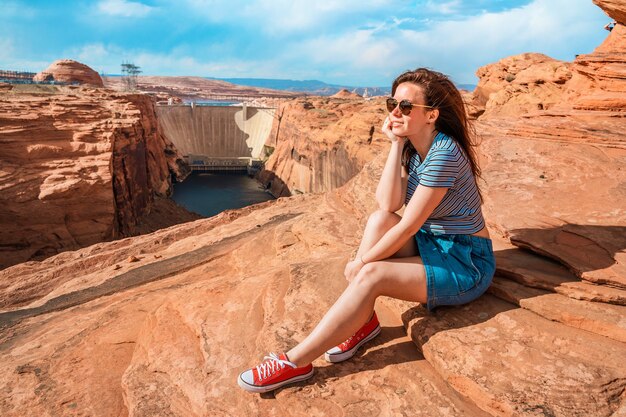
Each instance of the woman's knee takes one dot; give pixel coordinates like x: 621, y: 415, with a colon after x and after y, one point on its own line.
x: 383, y: 219
x: 369, y: 277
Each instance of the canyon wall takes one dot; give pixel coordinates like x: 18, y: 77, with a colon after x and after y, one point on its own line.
x: 162, y: 324
x: 79, y: 166
x: 319, y: 143
x: 553, y: 152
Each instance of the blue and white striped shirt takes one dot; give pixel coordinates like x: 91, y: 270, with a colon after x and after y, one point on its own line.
x: 446, y: 165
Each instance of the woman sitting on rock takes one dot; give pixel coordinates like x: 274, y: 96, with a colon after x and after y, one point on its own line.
x: 438, y: 253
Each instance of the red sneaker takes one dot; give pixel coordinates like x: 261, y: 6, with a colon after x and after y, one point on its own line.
x: 274, y: 372
x: 347, y: 349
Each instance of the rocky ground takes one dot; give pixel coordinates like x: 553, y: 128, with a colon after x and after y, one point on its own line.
x: 161, y: 324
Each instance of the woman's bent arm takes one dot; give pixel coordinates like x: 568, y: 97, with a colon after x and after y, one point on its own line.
x: 422, y: 204
x: 389, y: 193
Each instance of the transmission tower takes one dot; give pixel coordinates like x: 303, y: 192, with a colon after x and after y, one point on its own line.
x: 129, y: 76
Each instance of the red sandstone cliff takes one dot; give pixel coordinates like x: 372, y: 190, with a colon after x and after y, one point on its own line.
x: 91, y: 332
x: 70, y: 72
x: 556, y: 130
x: 79, y: 166
x: 320, y: 143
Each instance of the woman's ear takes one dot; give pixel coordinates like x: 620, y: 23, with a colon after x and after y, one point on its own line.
x: 433, y: 115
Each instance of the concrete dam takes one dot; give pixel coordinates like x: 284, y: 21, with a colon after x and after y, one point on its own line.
x: 218, y: 138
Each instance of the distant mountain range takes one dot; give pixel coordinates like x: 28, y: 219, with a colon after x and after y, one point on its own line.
x: 315, y: 87
x: 312, y: 87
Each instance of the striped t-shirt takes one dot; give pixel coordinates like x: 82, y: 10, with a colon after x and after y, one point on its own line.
x: 446, y: 165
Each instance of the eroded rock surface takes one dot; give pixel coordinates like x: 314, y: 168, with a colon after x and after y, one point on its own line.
x: 162, y: 324
x: 320, y: 143
x: 614, y: 8
x: 79, y: 166
x: 520, y: 84
x: 568, y: 197
x: 70, y: 72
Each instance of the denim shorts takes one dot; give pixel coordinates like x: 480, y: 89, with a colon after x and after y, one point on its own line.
x: 459, y: 268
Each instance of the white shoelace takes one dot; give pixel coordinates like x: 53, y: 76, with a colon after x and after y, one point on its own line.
x: 270, y: 365
x: 345, y: 344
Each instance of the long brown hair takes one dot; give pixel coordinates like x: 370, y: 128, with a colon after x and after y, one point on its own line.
x: 440, y: 93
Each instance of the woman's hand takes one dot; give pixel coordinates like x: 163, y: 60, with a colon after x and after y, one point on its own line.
x: 387, y: 131
x: 352, y: 269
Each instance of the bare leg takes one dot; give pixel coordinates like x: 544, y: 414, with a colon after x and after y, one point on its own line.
x: 377, y: 225
x: 402, y: 278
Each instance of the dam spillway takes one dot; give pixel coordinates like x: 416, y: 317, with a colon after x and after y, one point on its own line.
x: 218, y: 138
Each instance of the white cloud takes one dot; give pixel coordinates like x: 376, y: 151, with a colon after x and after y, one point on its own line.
x: 124, y: 8
x: 546, y: 26
x: 374, y: 53
x: 108, y: 58
x: 93, y: 53
x: 455, y: 47
x: 10, y: 9
x: 6, y: 49
x: 10, y: 61
x: 358, y: 49
x: 284, y: 16
x: 392, y: 24
x: 448, y: 7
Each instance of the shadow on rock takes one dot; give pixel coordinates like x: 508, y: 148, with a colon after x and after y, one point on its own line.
x: 422, y: 325
x: 583, y: 247
x: 376, y: 354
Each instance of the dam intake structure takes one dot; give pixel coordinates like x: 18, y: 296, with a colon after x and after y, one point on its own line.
x: 218, y: 138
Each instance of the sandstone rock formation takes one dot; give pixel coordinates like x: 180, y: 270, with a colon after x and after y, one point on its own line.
x: 344, y: 93
x: 320, y: 143
x: 521, y: 83
x: 79, y: 166
x: 570, y: 152
x: 599, y: 81
x: 70, y: 72
x: 537, y: 85
x: 161, y: 324
x: 614, y: 8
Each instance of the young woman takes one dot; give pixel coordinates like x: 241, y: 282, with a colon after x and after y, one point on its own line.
x: 438, y: 253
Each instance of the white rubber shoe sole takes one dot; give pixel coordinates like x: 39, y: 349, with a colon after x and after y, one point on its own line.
x: 266, y: 388
x: 333, y: 357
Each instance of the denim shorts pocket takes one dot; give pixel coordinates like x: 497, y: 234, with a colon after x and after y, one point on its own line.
x: 484, y: 261
x: 464, y: 269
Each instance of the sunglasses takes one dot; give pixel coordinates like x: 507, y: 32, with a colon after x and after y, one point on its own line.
x: 405, y: 106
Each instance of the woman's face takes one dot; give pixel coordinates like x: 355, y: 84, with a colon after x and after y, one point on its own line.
x: 420, y: 121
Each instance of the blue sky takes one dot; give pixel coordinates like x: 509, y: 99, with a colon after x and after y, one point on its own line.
x: 349, y: 42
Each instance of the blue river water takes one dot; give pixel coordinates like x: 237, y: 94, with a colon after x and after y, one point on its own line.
x: 209, y: 194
